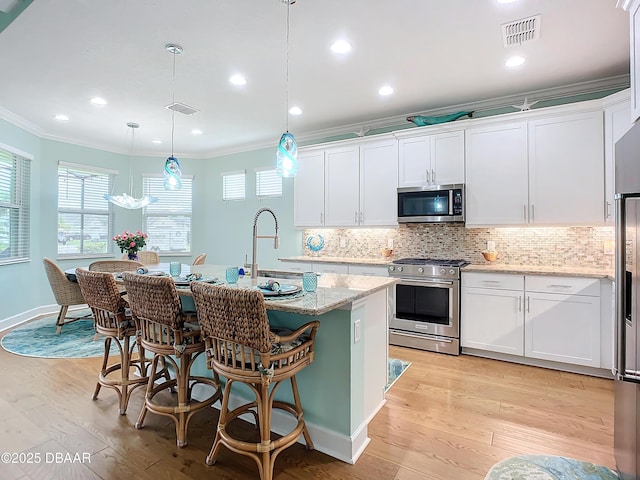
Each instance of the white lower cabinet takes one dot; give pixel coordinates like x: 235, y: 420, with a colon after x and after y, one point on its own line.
x: 369, y: 270
x: 536, y: 316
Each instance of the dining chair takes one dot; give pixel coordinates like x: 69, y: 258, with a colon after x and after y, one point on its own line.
x: 113, y: 320
x: 66, y: 293
x: 155, y: 304
x: 148, y: 257
x: 242, y: 348
x: 114, y: 266
x: 200, y: 259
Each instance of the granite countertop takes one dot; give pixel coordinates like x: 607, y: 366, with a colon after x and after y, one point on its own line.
x: 565, y: 270
x: 334, y: 290
x: 382, y: 261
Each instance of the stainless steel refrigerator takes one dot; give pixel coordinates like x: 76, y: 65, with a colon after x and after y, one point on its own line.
x: 627, y: 287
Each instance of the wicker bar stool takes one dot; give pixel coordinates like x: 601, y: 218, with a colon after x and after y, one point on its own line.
x: 164, y: 332
x: 66, y: 293
x: 200, y: 259
x: 115, y: 266
x: 242, y: 348
x: 112, y: 319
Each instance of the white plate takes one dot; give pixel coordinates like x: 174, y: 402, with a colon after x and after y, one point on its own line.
x: 284, y: 290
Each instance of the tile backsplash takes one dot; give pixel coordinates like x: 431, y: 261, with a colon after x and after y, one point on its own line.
x: 551, y: 246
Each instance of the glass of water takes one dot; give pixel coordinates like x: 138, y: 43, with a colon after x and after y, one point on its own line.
x: 232, y: 275
x: 175, y: 268
x: 309, y: 281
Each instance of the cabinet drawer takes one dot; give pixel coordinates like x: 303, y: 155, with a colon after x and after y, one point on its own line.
x: 330, y: 268
x: 297, y: 267
x: 501, y: 281
x: 565, y: 285
x: 371, y: 270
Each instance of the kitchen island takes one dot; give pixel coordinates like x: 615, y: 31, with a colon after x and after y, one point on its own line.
x: 343, y: 389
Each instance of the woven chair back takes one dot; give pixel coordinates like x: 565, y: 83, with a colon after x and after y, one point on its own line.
x: 102, y: 295
x: 65, y: 291
x: 146, y: 257
x: 114, y: 266
x: 200, y: 259
x: 154, y: 299
x: 232, y: 314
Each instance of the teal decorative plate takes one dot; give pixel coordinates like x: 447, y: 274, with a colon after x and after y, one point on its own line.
x: 315, y: 243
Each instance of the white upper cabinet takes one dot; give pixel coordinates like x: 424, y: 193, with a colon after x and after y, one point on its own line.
x: 633, y: 7
x: 308, y: 189
x: 566, y: 165
x: 348, y: 184
x: 496, y: 178
x: 540, y: 168
x: 342, y: 180
x: 434, y: 159
x: 617, y: 121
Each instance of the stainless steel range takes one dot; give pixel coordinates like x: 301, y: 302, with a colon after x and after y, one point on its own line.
x: 427, y: 304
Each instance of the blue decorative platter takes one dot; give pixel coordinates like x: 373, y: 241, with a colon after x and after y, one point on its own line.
x: 315, y: 243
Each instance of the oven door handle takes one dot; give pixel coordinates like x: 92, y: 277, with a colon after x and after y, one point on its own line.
x: 425, y: 281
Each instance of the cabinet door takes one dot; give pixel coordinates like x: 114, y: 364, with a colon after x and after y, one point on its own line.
x: 634, y: 28
x: 308, y: 190
x: 563, y: 328
x: 566, y: 170
x: 616, y: 124
x: 496, y: 175
x: 447, y: 158
x: 378, y: 183
x: 414, y: 162
x: 492, y: 320
x: 342, y: 186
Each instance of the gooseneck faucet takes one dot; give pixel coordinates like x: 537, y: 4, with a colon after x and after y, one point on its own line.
x: 254, y: 263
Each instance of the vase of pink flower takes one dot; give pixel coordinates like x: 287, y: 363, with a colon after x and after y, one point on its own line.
x: 131, y: 242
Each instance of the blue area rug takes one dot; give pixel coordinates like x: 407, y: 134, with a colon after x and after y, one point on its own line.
x: 395, y: 368
x: 38, y: 338
x: 548, y: 467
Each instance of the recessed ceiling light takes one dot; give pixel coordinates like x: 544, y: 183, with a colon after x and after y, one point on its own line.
x: 62, y: 118
x: 295, y: 111
x: 341, y: 47
x: 238, y: 80
x: 156, y: 141
x: 506, y: 1
x: 514, y: 61
x: 386, y: 90
x: 98, y: 101
x: 196, y: 131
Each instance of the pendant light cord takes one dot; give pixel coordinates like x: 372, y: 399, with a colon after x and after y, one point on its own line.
x: 287, y: 68
x: 173, y: 101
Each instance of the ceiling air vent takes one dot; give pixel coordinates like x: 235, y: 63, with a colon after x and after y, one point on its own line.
x: 521, y: 31
x: 182, y: 108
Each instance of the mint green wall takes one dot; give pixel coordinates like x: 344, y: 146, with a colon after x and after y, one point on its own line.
x: 228, y: 226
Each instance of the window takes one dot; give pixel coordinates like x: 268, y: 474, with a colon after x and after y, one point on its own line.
x: 233, y: 185
x: 168, y: 221
x: 15, y: 181
x: 268, y: 183
x: 84, y: 215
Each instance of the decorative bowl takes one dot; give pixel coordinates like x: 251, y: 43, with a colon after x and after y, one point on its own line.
x: 490, y: 256
x: 386, y: 252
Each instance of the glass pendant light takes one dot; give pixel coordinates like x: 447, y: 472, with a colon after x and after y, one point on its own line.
x: 287, y: 154
x: 172, y: 171
x: 125, y: 200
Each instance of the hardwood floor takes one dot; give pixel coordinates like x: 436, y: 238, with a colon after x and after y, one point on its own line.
x: 446, y: 418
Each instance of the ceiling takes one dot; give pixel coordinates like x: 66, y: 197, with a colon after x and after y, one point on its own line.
x: 58, y: 54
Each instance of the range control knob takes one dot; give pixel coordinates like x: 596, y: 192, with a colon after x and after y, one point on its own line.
x: 420, y: 270
x: 391, y: 268
x: 442, y: 271
x: 452, y: 272
x: 399, y: 269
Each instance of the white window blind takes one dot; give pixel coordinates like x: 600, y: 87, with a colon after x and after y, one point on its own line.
x: 15, y: 181
x: 268, y: 183
x: 84, y: 215
x: 233, y: 185
x: 168, y: 221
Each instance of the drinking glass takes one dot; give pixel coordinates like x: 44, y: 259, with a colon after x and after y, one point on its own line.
x: 231, y: 275
x: 309, y: 281
x: 175, y: 268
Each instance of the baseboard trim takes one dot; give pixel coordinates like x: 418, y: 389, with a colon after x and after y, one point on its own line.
x: 34, y: 313
x: 337, y: 445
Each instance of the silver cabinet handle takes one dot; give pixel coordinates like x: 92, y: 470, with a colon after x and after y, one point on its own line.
x: 426, y: 174
x: 433, y: 176
x: 321, y: 218
x: 361, y: 218
x: 607, y: 209
x: 528, y: 305
x: 558, y: 285
x: 490, y: 281
x: 525, y: 212
x: 355, y: 217
x: 533, y: 215
x: 519, y: 304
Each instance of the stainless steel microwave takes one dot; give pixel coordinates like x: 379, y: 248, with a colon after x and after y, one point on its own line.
x: 432, y: 204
